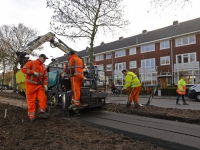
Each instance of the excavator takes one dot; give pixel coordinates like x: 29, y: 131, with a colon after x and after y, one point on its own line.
x: 59, y: 92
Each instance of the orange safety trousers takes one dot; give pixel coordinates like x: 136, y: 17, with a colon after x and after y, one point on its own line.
x: 76, y: 83
x: 134, y: 94
x: 33, y: 92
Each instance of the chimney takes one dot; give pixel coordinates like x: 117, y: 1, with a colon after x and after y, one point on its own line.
x: 120, y: 38
x: 175, y: 22
x: 144, y: 31
x: 87, y: 48
x: 102, y: 43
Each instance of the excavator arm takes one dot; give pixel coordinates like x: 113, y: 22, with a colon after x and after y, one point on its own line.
x: 49, y: 37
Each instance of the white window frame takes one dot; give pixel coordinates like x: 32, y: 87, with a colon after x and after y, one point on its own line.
x: 179, y: 41
x: 145, y: 62
x: 184, y: 55
x: 118, y: 78
x: 121, y: 53
x: 109, y: 57
x: 99, y: 58
x: 117, y: 66
x: 110, y: 66
x: 85, y: 60
x: 132, y: 51
x: 165, y: 60
x: 164, y: 45
x: 147, y: 48
x: 132, y: 64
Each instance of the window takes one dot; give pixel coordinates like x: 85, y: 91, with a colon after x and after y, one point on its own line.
x: 148, y: 48
x: 133, y: 64
x: 148, y: 63
x: 108, y: 56
x: 164, y: 45
x: 118, y: 80
x: 165, y: 60
x: 120, y: 66
x: 132, y: 51
x: 120, y: 53
x: 148, y: 78
x: 85, y: 60
x: 186, y: 58
x: 186, y: 40
x: 99, y: 57
x: 109, y: 67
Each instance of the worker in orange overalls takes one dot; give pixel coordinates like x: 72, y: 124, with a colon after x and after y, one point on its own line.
x: 36, y: 81
x: 75, y: 66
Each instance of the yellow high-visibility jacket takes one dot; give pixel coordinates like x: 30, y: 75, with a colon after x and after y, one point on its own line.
x: 181, y: 88
x: 131, y: 80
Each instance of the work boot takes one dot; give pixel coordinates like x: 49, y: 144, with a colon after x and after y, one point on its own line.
x: 32, y: 119
x: 185, y: 103
x: 136, y: 105
x: 43, y: 115
x: 128, y: 105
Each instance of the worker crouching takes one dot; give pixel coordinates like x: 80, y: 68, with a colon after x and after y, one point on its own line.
x: 133, y: 86
x: 75, y: 66
x: 36, y: 81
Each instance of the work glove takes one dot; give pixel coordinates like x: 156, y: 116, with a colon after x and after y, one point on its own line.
x: 36, y: 74
x: 45, y: 88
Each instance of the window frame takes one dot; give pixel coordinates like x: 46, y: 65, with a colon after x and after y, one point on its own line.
x: 120, y: 55
x: 179, y: 41
x: 163, y: 57
x: 150, y: 59
x: 110, y: 55
x: 165, y: 47
x: 134, y: 48
x: 110, y: 67
x: 99, y: 56
x: 122, y: 66
x: 130, y: 64
x: 147, y: 48
x: 189, y: 58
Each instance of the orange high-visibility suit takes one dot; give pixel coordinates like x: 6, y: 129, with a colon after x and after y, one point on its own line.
x: 35, y: 89
x: 76, y: 66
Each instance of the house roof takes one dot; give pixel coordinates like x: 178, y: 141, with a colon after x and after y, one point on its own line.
x: 162, y: 33
x: 168, y: 32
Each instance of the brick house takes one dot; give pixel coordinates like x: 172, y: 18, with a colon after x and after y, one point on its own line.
x: 158, y: 56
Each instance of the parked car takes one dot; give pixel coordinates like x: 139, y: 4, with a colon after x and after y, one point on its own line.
x: 194, y: 92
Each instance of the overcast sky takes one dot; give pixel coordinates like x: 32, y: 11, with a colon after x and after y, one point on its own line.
x: 34, y: 14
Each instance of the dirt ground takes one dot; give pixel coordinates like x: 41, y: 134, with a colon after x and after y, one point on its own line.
x: 17, y: 132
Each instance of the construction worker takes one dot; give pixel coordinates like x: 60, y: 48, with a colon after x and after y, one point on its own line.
x: 133, y: 86
x: 36, y: 81
x: 75, y: 66
x: 181, y: 90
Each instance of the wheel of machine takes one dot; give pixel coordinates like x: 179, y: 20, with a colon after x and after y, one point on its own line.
x: 197, y: 97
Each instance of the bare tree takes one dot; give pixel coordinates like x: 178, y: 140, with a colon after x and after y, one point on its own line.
x: 13, y: 39
x: 165, y: 3
x: 84, y: 18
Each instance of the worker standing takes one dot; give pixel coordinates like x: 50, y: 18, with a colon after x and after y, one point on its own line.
x: 75, y: 66
x: 36, y: 81
x: 132, y: 84
x: 181, y: 90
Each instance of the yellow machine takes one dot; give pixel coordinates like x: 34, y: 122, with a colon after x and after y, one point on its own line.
x: 20, y: 80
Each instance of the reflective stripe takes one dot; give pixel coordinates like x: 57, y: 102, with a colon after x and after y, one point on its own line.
x: 40, y: 73
x: 31, y: 114
x: 32, y: 81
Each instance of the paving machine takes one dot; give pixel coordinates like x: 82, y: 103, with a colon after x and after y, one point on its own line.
x: 59, y: 92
